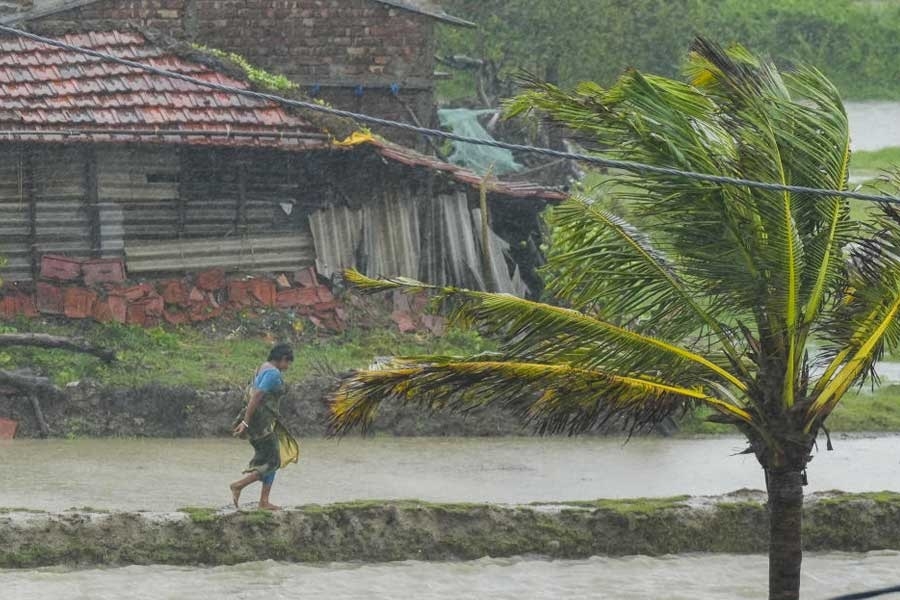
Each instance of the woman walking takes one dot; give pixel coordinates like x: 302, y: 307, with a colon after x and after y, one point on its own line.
x: 273, y: 445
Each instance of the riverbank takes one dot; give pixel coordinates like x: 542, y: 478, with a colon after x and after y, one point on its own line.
x: 411, y: 530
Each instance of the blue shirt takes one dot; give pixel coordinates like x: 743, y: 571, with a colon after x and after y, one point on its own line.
x: 268, y: 380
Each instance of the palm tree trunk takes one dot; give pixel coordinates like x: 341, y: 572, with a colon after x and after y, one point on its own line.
x: 785, y: 538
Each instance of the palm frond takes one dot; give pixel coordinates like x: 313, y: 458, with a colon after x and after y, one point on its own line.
x: 602, y: 263
x: 533, y: 331
x: 550, y: 398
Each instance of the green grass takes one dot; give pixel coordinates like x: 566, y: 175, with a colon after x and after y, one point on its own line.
x: 875, y: 161
x: 204, y: 360
x: 859, y: 411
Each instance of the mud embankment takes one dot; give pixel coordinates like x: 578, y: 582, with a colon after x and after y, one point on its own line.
x: 87, y: 410
x: 393, y: 531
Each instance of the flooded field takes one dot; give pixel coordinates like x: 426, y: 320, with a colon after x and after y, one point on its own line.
x: 874, y: 125
x: 694, y: 577
x: 164, y: 475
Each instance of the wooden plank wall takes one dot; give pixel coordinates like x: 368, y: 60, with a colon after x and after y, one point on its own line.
x: 151, y: 204
x: 15, y: 215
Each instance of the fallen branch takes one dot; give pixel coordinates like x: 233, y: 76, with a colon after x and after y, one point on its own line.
x: 39, y: 340
x: 28, y: 383
x: 39, y: 416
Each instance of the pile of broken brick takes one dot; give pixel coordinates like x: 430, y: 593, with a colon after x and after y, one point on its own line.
x: 99, y: 290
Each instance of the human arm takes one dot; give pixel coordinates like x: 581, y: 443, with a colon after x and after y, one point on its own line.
x: 255, y: 400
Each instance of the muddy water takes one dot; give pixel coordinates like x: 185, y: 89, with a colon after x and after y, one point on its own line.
x: 163, y: 475
x: 696, y: 577
x: 874, y: 125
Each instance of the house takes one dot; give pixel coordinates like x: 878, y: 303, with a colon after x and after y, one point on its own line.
x: 103, y: 160
x: 371, y: 56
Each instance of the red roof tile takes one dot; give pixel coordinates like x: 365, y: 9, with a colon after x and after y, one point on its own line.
x: 43, y: 88
x: 52, y: 95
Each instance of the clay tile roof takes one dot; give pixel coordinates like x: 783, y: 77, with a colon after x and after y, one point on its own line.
x: 52, y: 95
x: 44, y: 89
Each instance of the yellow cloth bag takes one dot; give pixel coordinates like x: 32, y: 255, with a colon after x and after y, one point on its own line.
x: 288, y: 446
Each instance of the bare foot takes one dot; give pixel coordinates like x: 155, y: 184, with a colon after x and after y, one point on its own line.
x: 268, y: 506
x: 236, y: 494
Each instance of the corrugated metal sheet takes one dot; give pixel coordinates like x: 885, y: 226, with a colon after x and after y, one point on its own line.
x: 14, y: 218
x: 381, y: 238
x: 63, y: 225
x: 284, y: 252
x: 389, y: 238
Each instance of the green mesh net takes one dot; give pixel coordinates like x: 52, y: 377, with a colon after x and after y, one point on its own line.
x: 464, y: 121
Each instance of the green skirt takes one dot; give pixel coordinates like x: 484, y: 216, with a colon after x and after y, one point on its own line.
x: 274, y: 451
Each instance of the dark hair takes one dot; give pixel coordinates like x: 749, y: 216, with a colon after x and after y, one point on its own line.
x: 281, y: 351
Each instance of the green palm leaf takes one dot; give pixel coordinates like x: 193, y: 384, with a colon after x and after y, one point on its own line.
x: 553, y: 398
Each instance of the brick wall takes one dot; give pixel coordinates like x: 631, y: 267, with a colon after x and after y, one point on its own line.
x: 337, y: 44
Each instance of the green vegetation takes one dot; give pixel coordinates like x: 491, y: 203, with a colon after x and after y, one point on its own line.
x: 855, y: 43
x: 200, y: 515
x: 206, y: 360
x: 877, y: 161
x: 708, y: 295
x: 860, y: 411
x: 260, y: 77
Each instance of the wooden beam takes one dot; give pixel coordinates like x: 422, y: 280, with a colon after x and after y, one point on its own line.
x: 240, y: 216
x: 26, y: 171
x: 185, y: 166
x: 92, y: 201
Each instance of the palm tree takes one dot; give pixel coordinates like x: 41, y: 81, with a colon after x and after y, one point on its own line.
x: 764, y: 307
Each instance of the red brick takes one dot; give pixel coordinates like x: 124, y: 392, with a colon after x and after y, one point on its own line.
x: 239, y: 293
x: 118, y: 306
x: 205, y: 312
x: 176, y: 317
x: 307, y: 277
x: 324, y: 294
x: 8, y: 308
x: 155, y: 305
x: 174, y: 292
x: 404, y: 321
x: 137, y: 292
x: 60, y: 268
x: 103, y: 270
x: 263, y: 290
x: 49, y: 299
x: 102, y: 313
x: 18, y: 304
x: 282, y: 282
x: 79, y: 302
x: 325, y: 307
x: 297, y: 297
x: 136, y: 314
x: 212, y: 280
x: 25, y: 305
x: 8, y: 429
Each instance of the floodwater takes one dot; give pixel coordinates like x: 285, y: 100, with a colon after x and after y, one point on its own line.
x: 694, y: 577
x: 161, y: 475
x: 874, y: 125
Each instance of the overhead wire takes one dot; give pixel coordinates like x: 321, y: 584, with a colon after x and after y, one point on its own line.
x: 624, y: 165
